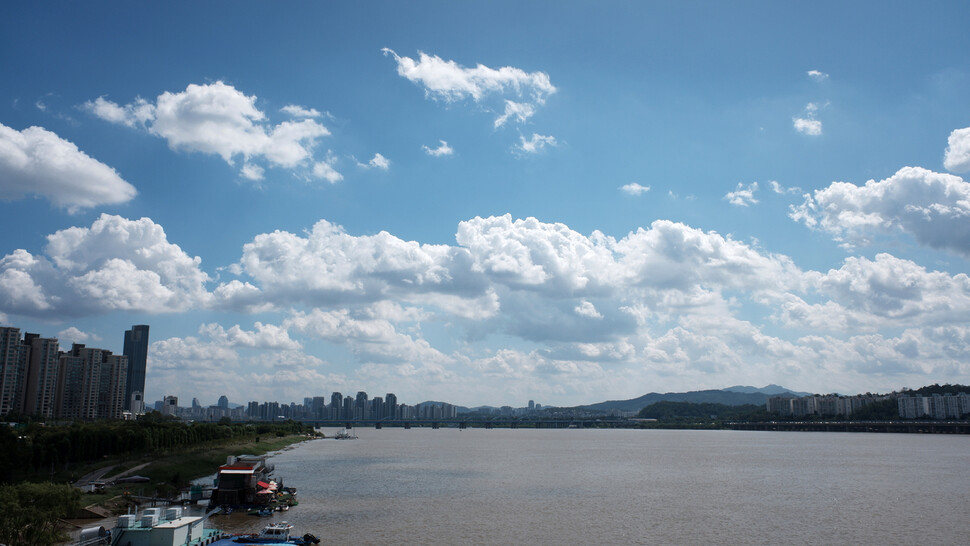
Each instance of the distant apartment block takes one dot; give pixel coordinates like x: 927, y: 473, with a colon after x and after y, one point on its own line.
x: 936, y: 406
x: 828, y: 405
x: 170, y: 405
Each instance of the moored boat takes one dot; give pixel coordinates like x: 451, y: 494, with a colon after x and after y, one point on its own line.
x: 344, y: 434
x: 277, y: 534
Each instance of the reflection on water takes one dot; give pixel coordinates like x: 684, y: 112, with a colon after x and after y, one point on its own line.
x: 477, y: 486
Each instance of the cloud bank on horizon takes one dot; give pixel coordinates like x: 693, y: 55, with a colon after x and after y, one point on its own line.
x: 278, y: 286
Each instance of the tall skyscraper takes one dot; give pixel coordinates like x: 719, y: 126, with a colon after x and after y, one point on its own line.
x: 361, y: 408
x: 136, y: 349
x: 336, y: 405
x: 390, y: 406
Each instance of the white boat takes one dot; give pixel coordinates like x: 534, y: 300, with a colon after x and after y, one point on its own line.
x: 344, y: 434
x: 277, y: 533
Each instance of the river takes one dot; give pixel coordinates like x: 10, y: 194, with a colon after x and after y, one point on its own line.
x: 477, y: 486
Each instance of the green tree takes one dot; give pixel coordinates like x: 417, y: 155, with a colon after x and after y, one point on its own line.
x: 29, y: 512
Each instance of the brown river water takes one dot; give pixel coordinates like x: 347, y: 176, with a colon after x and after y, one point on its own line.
x: 501, y: 486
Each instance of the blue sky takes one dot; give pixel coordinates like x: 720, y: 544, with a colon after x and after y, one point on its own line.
x: 487, y: 203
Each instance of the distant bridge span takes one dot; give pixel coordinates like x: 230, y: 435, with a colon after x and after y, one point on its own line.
x: 924, y: 427
x: 917, y: 427
x: 467, y: 423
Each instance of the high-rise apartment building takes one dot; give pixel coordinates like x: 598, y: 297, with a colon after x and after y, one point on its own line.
x: 376, y: 407
x: 90, y: 384
x: 13, y: 370
x: 111, y: 396
x: 336, y: 402
x: 390, y: 406
x: 37, y: 379
x: 348, y: 411
x: 40, y: 389
x: 78, y: 373
x: 317, y: 406
x: 361, y: 407
x: 136, y: 349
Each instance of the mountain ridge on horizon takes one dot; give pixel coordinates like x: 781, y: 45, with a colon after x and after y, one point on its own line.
x: 771, y: 388
x: 736, y: 395
x: 732, y: 396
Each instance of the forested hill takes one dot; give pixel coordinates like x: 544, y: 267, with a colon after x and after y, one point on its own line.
x: 726, y: 397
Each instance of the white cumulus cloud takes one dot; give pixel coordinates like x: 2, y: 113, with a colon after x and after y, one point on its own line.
x: 328, y: 265
x: 778, y: 188
x: 252, y: 172
x: 587, y: 309
x: 265, y: 336
x: 742, y: 196
x: 535, y: 143
x: 219, y: 119
x: 376, y: 162
x: 372, y: 340
x: 137, y: 113
x: 450, y: 82
x: 932, y: 207
x: 519, y: 111
x: 36, y: 161
x: 325, y: 169
x: 957, y: 156
x: 442, y: 149
x: 300, y: 111
x: 817, y: 75
x: 72, y: 334
x: 634, y: 188
x: 116, y: 264
x: 809, y: 124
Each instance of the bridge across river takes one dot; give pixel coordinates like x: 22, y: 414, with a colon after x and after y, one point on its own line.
x: 932, y: 427
x: 468, y: 423
x: 924, y: 427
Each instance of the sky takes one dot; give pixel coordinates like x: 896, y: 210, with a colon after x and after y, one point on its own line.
x: 492, y: 202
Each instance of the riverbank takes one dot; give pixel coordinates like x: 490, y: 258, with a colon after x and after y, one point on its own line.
x: 161, y: 470
x: 170, y: 472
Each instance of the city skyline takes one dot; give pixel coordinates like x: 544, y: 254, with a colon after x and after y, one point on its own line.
x: 104, y: 379
x: 492, y: 202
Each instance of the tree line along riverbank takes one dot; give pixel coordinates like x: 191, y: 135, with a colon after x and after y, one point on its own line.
x: 40, y: 464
